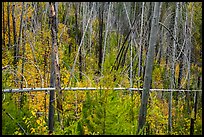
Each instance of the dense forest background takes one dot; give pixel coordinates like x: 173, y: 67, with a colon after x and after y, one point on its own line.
x: 149, y: 45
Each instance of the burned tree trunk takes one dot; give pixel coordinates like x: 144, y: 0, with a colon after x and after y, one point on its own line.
x: 148, y: 69
x: 101, y: 8
x: 15, y: 42
x: 78, y: 40
x: 9, y: 35
x: 55, y: 69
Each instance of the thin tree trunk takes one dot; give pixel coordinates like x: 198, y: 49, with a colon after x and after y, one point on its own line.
x: 189, y: 62
x: 181, y: 57
x: 3, y: 29
x: 168, y: 46
x: 23, y: 50
x: 118, y: 28
x: 44, y: 77
x: 180, y: 74
x: 168, y: 38
x: 52, y: 74
x: 172, y: 82
x: 90, y: 39
x: 131, y: 62
x: 9, y: 35
x: 199, y: 86
x: 160, y: 37
x: 131, y: 44
x: 106, y: 34
x: 149, y: 19
x: 14, y: 35
x: 78, y: 40
x: 101, y: 9
x: 54, y: 27
x: 15, y: 43
x: 193, y: 115
x: 84, y: 15
x: 131, y: 82
x: 140, y: 47
x: 21, y: 26
x: 22, y: 68
x: 148, y: 69
x: 34, y: 17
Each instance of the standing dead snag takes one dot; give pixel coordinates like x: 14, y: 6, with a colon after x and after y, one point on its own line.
x: 52, y: 82
x: 148, y: 69
x: 9, y: 35
x: 16, y: 48
x: 78, y: 40
x: 55, y: 69
x: 172, y: 78
x: 100, y: 48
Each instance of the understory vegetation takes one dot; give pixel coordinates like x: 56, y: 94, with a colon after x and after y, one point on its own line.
x: 98, y: 112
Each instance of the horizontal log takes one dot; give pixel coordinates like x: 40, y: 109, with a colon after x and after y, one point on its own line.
x: 89, y: 88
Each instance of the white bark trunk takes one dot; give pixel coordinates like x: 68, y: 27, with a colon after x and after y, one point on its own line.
x: 106, y: 34
x: 172, y: 81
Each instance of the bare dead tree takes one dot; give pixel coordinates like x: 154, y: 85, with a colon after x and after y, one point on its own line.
x: 100, y: 49
x: 148, y: 69
x: 172, y: 79
x: 3, y: 23
x: 9, y: 35
x: 55, y: 75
